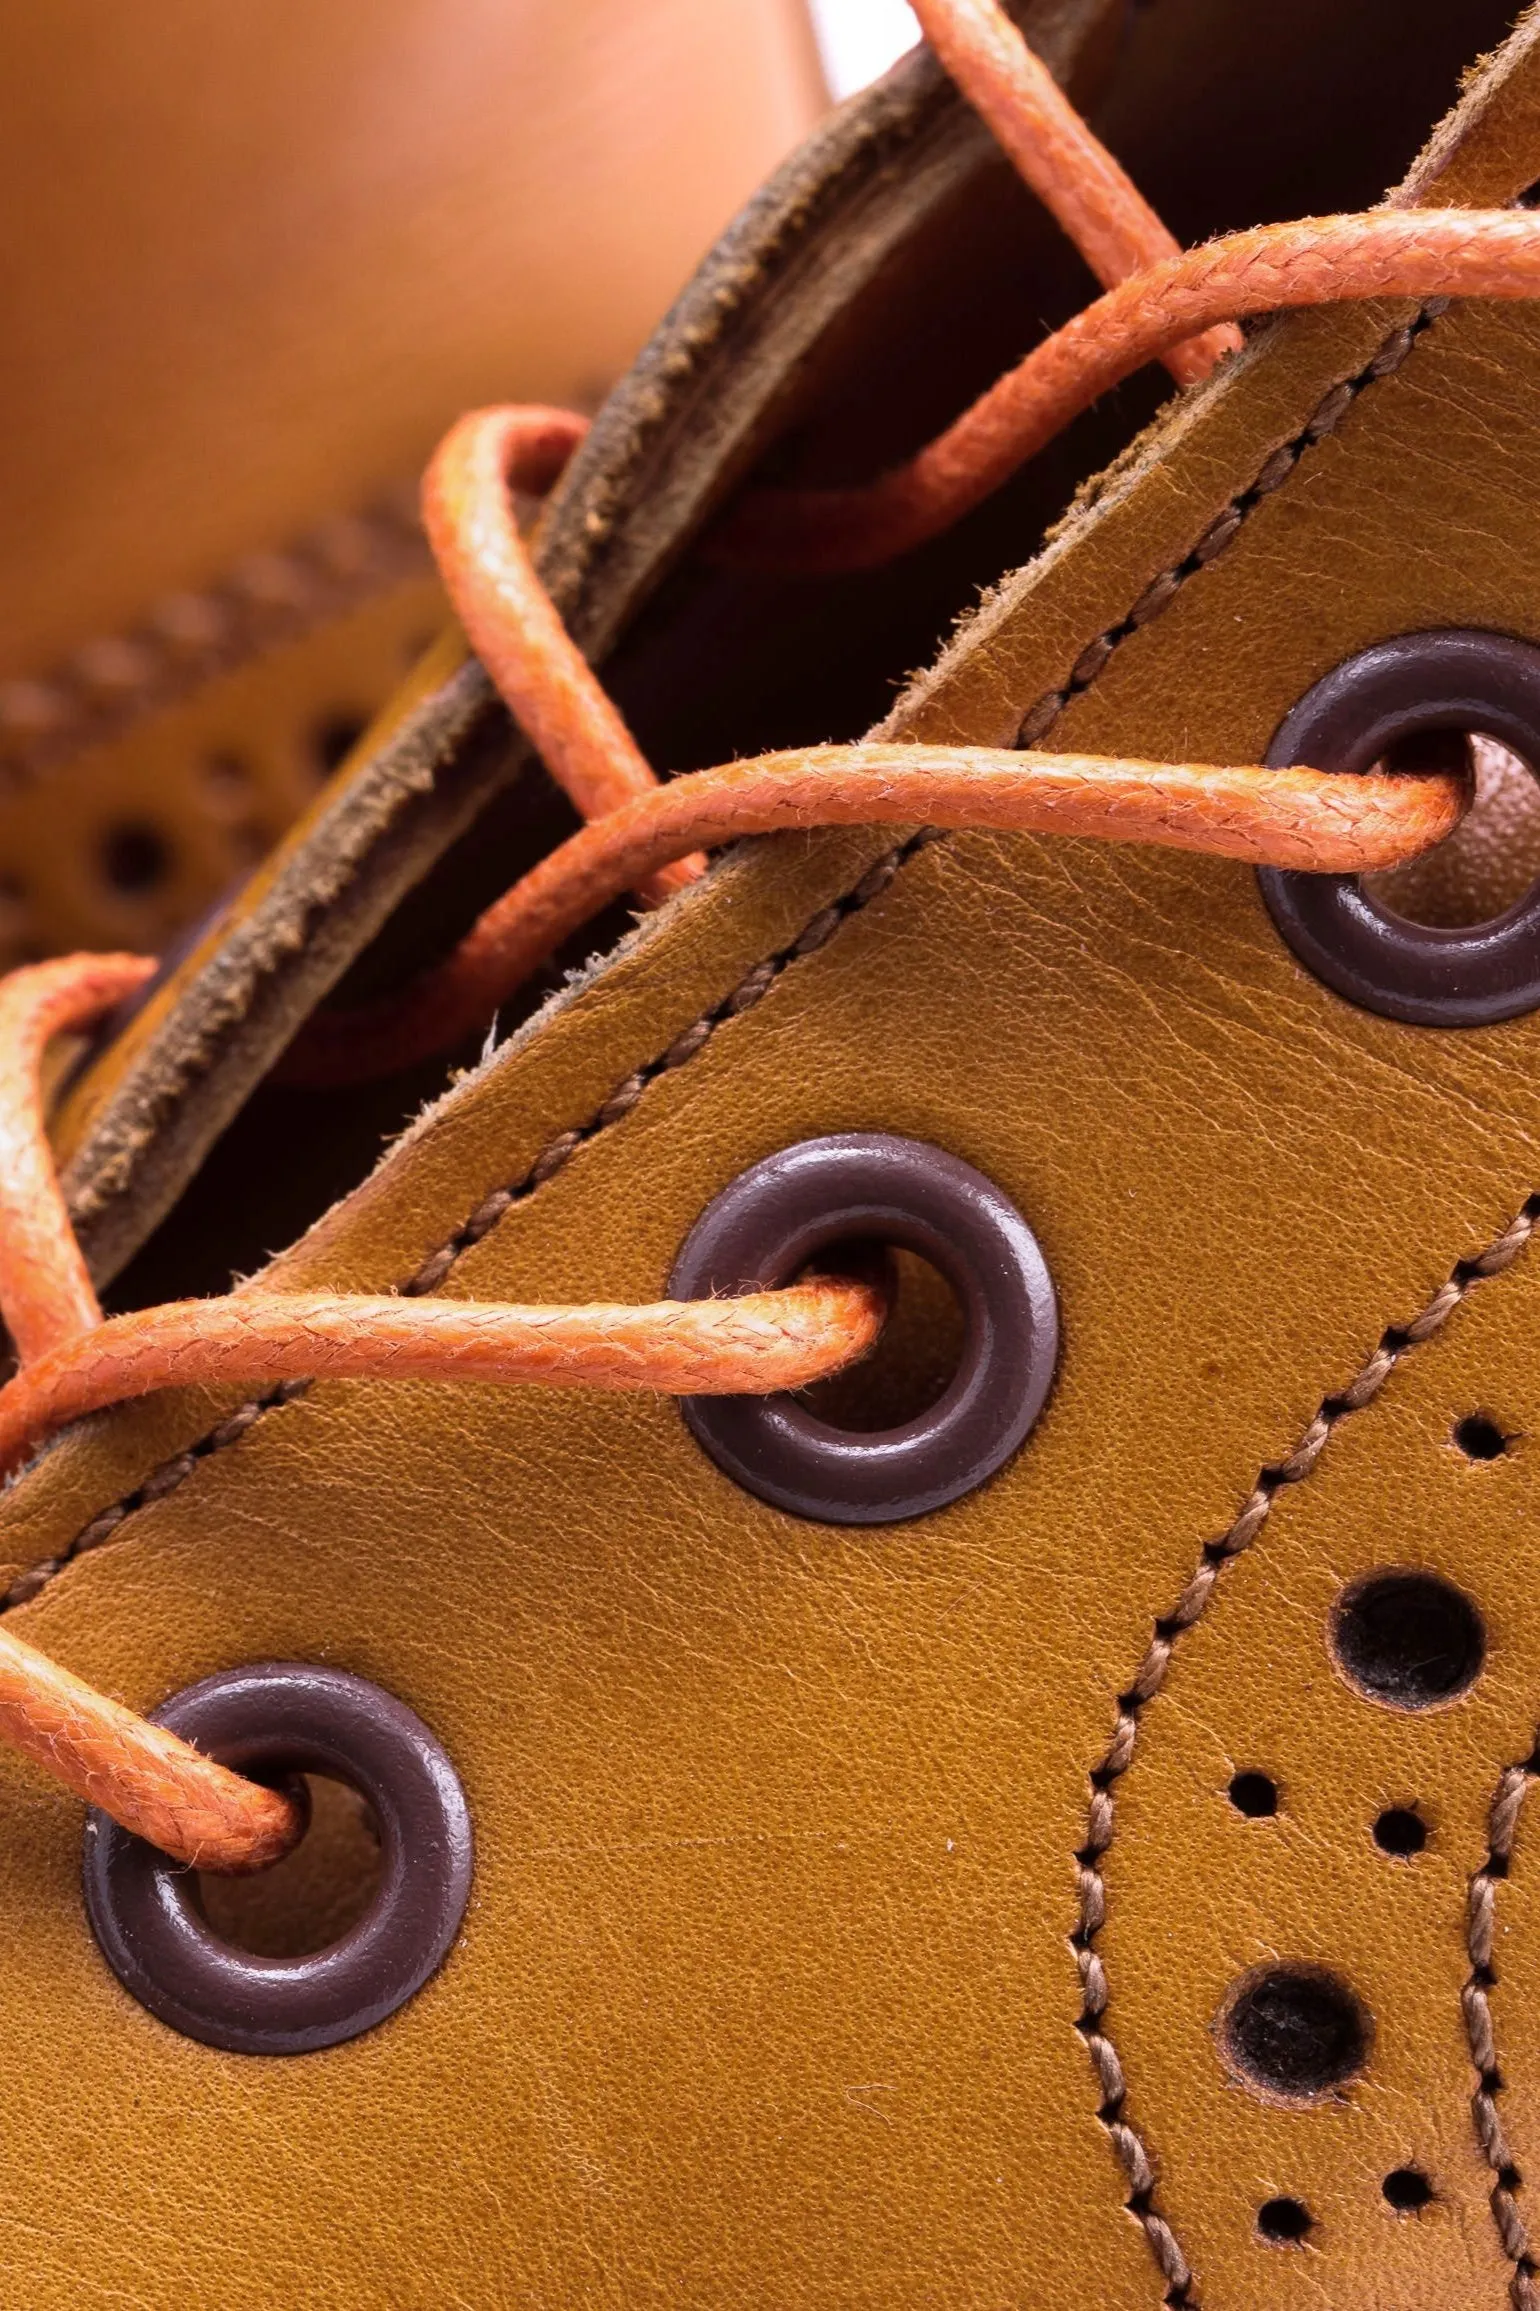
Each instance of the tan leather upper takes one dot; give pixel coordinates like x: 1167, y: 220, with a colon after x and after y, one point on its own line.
x: 766, y: 1995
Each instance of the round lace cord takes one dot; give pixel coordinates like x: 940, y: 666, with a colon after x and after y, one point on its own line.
x: 1160, y: 303
x: 1287, y: 818
x: 752, y: 1345
x: 45, y: 1292
x: 1054, y: 152
x: 152, y: 1781
x: 510, y: 619
x: 1271, y: 269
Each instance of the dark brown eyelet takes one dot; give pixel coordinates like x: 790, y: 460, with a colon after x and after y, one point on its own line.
x: 1457, y: 679
x: 872, y: 1187
x: 276, y: 1718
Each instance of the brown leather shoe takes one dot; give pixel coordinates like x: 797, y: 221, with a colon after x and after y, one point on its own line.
x: 1047, y: 1823
x: 262, y: 264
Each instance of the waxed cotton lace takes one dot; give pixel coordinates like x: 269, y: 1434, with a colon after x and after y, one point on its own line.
x: 650, y: 838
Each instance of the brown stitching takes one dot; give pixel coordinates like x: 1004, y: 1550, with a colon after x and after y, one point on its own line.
x: 1148, y: 1680
x: 553, y: 1158
x: 155, y: 1487
x: 559, y: 1152
x: 1475, y: 2006
x: 188, y: 638
x: 1223, y: 530
x: 1216, y: 537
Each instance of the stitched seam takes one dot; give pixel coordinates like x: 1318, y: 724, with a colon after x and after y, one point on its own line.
x: 1223, y: 530
x: 1149, y: 1678
x: 112, y: 682
x: 1220, y: 533
x: 553, y: 1158
x: 1475, y: 2007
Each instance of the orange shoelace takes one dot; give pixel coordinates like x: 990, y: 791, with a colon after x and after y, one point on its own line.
x: 650, y: 838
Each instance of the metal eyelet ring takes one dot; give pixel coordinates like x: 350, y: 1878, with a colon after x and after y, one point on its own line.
x: 270, y: 1719
x: 773, y: 1220
x: 1458, y: 679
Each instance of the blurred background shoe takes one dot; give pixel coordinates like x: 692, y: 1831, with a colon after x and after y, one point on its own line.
x: 260, y: 259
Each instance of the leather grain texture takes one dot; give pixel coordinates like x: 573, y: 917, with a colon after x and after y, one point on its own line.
x: 767, y: 1994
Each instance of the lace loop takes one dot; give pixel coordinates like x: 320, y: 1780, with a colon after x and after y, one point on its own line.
x: 1273, y: 268
x: 1053, y: 151
x: 510, y: 619
x: 46, y: 1294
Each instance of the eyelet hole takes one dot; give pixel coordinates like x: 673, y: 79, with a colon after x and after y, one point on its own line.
x: 916, y: 1356
x: 1284, y: 2222
x: 311, y: 1898
x: 798, y: 1208
x: 1493, y: 857
x: 1255, y: 1795
x: 281, y: 1718
x: 1407, y: 1639
x: 1466, y: 954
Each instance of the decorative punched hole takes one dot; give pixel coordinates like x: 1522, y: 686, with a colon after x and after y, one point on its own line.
x: 135, y: 858
x: 228, y: 781
x: 1479, y: 1437
x: 1400, y: 1831
x: 1408, y: 2190
x: 334, y: 738
x: 918, y: 1354
x: 1284, y: 2222
x: 1296, y: 2033
x: 1407, y: 1639
x: 313, y: 1896
x: 1255, y: 1795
